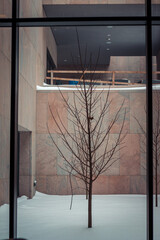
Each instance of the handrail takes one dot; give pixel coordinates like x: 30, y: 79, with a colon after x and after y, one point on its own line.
x: 52, y: 78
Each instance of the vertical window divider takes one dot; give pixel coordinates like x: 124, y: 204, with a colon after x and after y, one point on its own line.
x: 149, y: 125
x: 14, y: 121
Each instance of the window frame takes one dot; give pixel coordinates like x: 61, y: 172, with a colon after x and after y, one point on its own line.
x: 15, y: 23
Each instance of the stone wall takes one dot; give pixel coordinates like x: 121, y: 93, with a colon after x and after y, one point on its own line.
x: 33, y: 46
x: 126, y: 176
x: 32, y: 59
x: 5, y: 84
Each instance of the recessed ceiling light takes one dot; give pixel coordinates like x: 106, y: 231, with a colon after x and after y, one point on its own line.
x: 108, y: 42
x: 65, y: 60
x: 109, y: 35
x: 108, y: 39
x: 108, y: 49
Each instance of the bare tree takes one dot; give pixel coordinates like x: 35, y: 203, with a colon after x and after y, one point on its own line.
x: 156, y: 141
x: 89, y: 142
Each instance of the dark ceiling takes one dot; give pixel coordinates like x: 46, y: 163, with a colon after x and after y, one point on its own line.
x: 109, y: 40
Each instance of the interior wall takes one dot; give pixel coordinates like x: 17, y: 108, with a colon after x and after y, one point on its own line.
x: 128, y: 63
x: 126, y: 176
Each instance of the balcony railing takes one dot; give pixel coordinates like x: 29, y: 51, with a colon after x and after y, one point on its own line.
x: 112, y: 81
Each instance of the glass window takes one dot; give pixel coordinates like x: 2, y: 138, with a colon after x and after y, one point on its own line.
x: 116, y: 56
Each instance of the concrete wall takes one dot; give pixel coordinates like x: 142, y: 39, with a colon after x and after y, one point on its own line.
x: 126, y: 176
x: 5, y: 83
x: 33, y: 52
x: 33, y: 46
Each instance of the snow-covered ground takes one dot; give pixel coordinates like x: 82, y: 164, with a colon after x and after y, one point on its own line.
x: 115, y: 217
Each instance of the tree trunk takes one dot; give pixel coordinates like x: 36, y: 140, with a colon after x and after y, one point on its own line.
x: 156, y: 184
x: 90, y: 206
x: 156, y: 196
x: 86, y: 194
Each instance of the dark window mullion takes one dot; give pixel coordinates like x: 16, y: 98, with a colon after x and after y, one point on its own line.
x: 14, y: 122
x: 149, y: 126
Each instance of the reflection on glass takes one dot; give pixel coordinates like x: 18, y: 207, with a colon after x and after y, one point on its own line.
x: 5, y: 70
x: 53, y: 149
x: 64, y: 8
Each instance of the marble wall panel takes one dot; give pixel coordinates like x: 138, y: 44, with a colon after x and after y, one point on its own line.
x: 46, y: 157
x: 4, y: 147
x: 130, y: 156
x: 63, y: 168
x: 120, y: 104
x: 31, y: 8
x: 127, y: 63
x: 118, y: 184
x: 41, y: 184
x: 27, y: 105
x: 5, y: 8
x: 57, y: 185
x: 122, y: 177
x: 2, y: 198
x: 5, y: 42
x: 5, y: 81
x: 112, y: 168
x: 137, y: 111
x: 42, y: 117
x: 138, y: 184
x: 57, y: 113
x: 158, y: 185
x: 143, y: 160
x: 77, y: 185
x: 25, y: 186
x: 4, y: 190
x: 42, y: 97
x: 25, y: 154
x: 26, y: 157
x: 100, y: 186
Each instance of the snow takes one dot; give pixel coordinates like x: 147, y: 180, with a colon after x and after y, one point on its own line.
x: 47, y: 87
x: 48, y: 217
